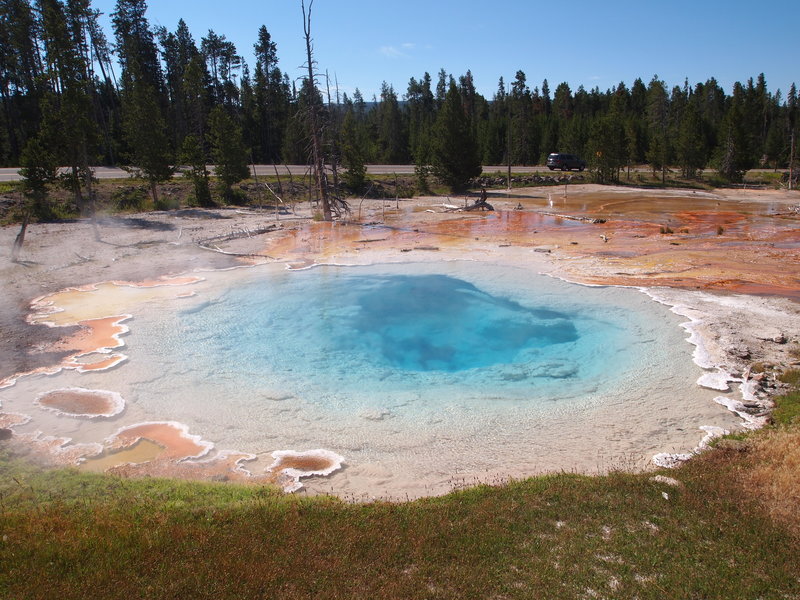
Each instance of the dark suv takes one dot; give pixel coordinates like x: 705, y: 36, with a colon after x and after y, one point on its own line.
x: 565, y: 162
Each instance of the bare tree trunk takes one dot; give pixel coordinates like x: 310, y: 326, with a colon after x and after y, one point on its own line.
x: 76, y: 190
x: 20, y: 239
x: 154, y: 191
x: 316, y: 141
x: 258, y: 187
x: 334, y: 155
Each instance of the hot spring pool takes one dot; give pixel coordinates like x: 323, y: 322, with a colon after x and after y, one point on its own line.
x: 420, y: 374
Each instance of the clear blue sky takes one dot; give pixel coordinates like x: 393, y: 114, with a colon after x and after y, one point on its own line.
x: 587, y: 43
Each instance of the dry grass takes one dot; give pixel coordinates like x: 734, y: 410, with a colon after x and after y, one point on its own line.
x: 70, y: 535
x: 774, y: 477
x: 773, y: 473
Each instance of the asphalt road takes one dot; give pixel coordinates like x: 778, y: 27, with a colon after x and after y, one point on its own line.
x: 12, y: 174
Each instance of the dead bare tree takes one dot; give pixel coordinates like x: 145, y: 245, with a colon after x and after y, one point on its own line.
x: 330, y: 205
x: 20, y: 239
x: 313, y: 118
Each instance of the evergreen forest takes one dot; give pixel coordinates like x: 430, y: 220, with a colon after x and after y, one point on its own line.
x: 151, y: 98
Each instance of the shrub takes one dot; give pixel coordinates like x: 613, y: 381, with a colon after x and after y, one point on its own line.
x: 167, y: 202
x: 133, y: 198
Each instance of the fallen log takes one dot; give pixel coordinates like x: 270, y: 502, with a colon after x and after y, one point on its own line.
x: 480, y: 205
x: 573, y: 218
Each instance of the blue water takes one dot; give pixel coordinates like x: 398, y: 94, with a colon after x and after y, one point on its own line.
x: 351, y: 338
x: 442, y: 323
x: 413, y: 372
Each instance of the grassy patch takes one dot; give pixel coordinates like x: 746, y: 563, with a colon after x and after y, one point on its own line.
x: 70, y: 535
x: 774, y: 477
x: 787, y: 406
x: 792, y: 377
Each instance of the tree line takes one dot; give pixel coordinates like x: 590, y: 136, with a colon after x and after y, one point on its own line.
x: 152, y: 98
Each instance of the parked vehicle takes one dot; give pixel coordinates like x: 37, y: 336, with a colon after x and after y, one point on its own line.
x: 565, y: 162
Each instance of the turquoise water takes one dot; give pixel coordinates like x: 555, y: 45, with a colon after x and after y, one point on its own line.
x: 441, y: 323
x: 354, y: 339
x: 416, y: 373
x: 401, y: 324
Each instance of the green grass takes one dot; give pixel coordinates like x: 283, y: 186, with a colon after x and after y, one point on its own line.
x: 787, y: 406
x: 70, y: 535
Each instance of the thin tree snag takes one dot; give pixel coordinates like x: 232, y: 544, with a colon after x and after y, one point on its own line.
x: 20, y: 239
x: 316, y: 135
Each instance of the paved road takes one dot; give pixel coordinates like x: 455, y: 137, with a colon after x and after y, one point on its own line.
x: 12, y: 174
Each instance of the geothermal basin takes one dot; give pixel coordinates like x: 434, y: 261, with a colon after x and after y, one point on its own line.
x: 394, y: 380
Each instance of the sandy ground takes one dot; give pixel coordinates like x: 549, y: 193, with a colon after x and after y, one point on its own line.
x: 727, y: 260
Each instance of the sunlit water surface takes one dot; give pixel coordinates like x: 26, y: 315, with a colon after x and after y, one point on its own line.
x: 416, y: 373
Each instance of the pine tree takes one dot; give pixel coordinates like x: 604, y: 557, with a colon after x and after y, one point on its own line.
x: 38, y: 169
x: 792, y: 109
x: 454, y: 151
x: 64, y: 30
x: 143, y: 97
x: 495, y: 129
x: 20, y: 70
x: 421, y: 115
x: 197, y: 98
x: 271, y: 97
x: 690, y: 150
x: 520, y: 107
x: 732, y: 155
x: 295, y: 148
x: 775, y: 145
x: 193, y: 156
x: 231, y: 164
x: 352, y: 154
x: 178, y: 51
x: 392, y: 144
x: 146, y: 134
x: 606, y: 145
x: 658, y: 153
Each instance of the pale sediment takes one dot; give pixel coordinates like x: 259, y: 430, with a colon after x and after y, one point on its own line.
x: 727, y: 349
